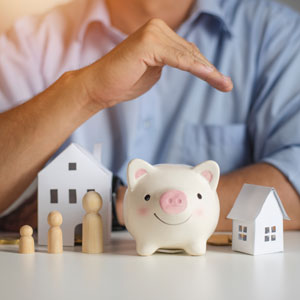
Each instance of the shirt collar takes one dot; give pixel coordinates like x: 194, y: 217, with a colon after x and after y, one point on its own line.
x: 214, y: 9
x: 97, y: 12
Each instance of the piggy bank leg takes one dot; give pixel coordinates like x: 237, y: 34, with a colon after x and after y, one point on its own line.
x: 196, y: 248
x: 145, y: 249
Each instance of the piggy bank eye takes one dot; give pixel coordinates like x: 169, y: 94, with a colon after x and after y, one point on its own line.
x: 147, y: 197
x: 199, y: 196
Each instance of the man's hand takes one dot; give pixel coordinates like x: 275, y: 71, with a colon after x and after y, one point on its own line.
x: 135, y: 65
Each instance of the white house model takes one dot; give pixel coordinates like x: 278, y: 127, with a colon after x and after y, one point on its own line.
x: 62, y: 185
x: 257, y: 226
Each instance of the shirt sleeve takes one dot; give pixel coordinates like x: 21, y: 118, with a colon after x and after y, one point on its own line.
x: 274, y: 121
x: 20, y: 56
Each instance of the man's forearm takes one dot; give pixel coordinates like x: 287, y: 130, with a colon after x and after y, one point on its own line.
x: 33, y: 131
x: 260, y: 174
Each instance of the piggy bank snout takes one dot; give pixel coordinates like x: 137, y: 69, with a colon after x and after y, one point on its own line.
x: 173, y: 202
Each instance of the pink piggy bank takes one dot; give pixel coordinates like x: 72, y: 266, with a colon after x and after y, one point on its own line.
x: 171, y: 206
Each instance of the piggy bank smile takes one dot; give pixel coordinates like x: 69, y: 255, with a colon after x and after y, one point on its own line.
x: 171, y: 206
x: 161, y: 220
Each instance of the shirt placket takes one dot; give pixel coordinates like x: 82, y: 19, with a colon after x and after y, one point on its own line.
x: 145, y: 139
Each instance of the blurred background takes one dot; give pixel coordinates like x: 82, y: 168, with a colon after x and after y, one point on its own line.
x: 10, y: 10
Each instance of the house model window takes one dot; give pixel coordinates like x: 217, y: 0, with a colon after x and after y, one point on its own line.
x: 270, y: 233
x: 72, y: 196
x: 242, y: 233
x: 72, y: 166
x: 53, y: 196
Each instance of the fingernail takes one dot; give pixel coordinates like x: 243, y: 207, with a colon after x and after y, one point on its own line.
x: 228, y: 82
x: 227, y: 79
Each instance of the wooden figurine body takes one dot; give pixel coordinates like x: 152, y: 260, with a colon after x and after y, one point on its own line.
x: 55, y: 238
x: 92, y: 231
x: 26, y: 245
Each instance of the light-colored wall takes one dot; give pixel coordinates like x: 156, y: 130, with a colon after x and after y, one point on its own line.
x: 10, y: 10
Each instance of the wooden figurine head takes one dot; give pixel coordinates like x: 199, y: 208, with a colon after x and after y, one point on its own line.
x: 55, y: 218
x: 92, y: 202
x: 26, y: 230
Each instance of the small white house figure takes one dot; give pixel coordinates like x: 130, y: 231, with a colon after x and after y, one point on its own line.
x: 257, y: 226
x: 62, y: 185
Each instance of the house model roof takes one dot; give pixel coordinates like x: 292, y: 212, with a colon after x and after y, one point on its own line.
x: 91, y: 157
x: 250, y: 202
x: 83, y: 152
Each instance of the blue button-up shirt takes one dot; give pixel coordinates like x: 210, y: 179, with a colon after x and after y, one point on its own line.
x: 184, y: 120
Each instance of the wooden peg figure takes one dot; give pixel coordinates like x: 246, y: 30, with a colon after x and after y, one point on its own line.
x: 92, y: 232
x: 55, y: 238
x: 26, y: 245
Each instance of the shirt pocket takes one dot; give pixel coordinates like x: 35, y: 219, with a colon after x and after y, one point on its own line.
x: 227, y: 144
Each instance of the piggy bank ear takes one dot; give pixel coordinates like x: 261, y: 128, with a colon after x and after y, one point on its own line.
x: 137, y: 169
x: 210, y: 171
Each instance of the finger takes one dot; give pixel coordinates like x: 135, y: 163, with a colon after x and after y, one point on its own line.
x: 162, y: 34
x: 187, y: 57
x: 181, y: 44
x: 184, y: 61
x: 205, y: 69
